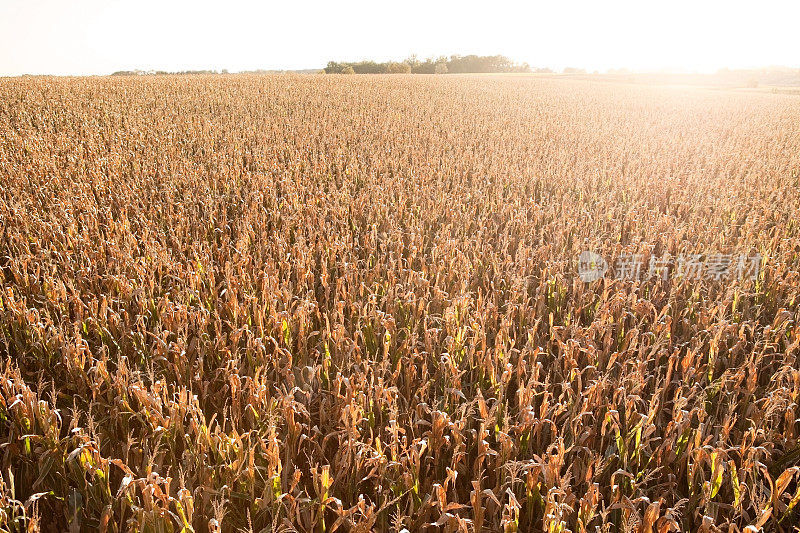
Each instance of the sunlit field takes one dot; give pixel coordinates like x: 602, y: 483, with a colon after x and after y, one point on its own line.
x: 353, y: 303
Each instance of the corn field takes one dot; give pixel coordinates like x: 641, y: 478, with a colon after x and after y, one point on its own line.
x: 351, y: 303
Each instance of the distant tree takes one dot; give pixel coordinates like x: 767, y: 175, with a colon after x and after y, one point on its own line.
x: 333, y: 68
x: 369, y: 67
x: 426, y: 67
x: 413, y: 62
x: 453, y: 64
x: 348, y: 70
x: 398, y: 68
x: 473, y: 63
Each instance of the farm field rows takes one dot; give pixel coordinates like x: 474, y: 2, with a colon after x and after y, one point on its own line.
x: 352, y: 303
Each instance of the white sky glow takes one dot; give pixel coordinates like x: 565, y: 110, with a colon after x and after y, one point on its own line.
x: 102, y: 36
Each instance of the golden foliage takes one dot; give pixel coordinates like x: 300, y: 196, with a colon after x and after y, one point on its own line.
x: 350, y: 304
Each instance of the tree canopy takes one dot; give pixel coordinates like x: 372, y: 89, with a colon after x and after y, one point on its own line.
x: 440, y: 65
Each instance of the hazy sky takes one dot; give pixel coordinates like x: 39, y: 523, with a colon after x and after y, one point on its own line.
x: 101, y: 36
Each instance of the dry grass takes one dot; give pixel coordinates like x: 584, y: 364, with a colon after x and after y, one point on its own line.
x: 351, y: 304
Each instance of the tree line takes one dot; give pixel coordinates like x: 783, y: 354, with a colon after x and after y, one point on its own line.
x: 139, y: 72
x: 441, y: 65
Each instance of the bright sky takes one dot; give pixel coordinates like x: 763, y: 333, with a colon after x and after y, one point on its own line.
x: 102, y: 36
